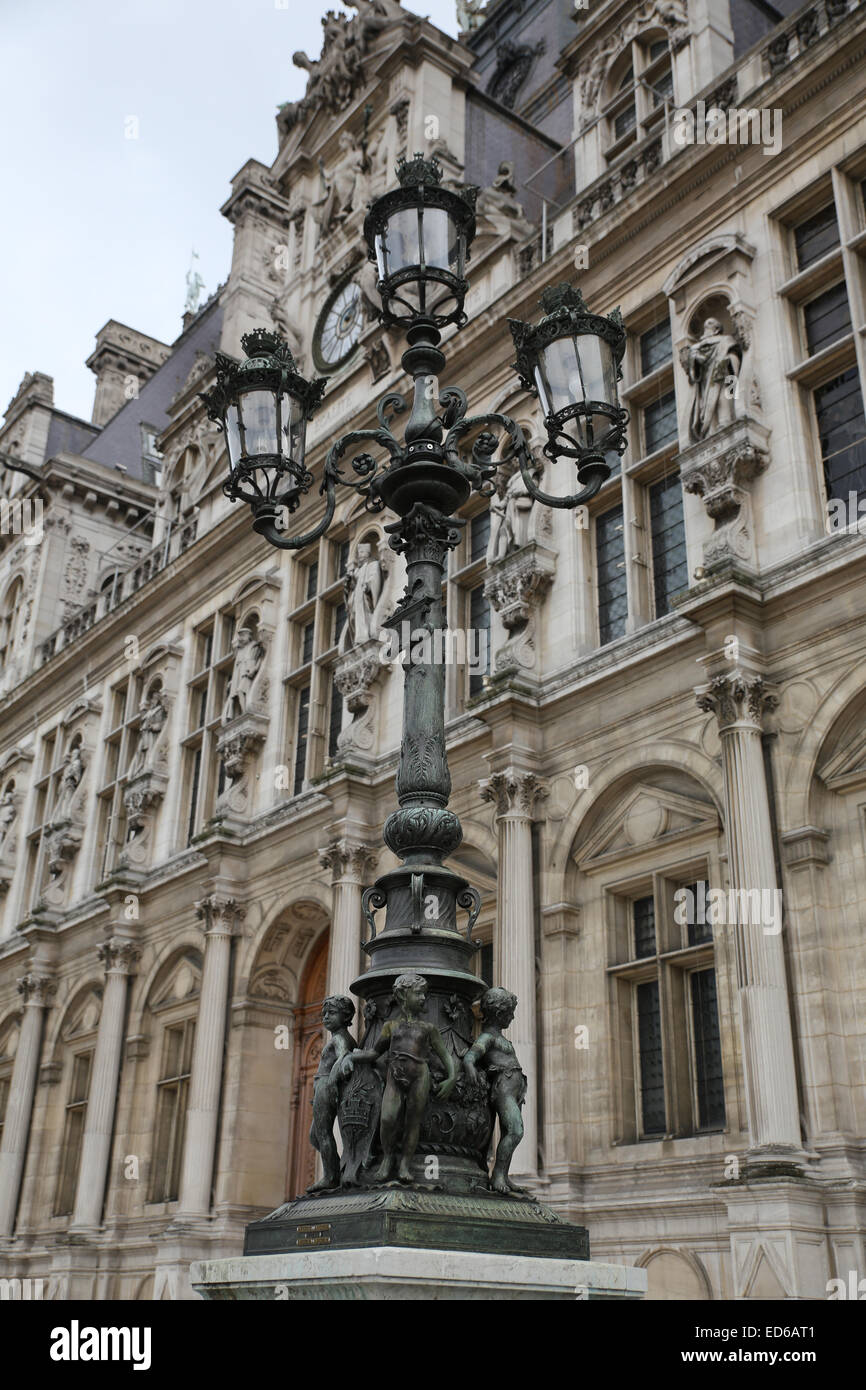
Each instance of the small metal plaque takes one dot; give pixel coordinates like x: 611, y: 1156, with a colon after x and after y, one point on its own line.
x: 318, y: 1234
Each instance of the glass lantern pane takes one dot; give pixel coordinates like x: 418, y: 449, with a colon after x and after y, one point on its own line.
x: 259, y: 414
x: 233, y: 436
x: 561, y: 372
x: 438, y: 237
x: 597, y: 368
x: 402, y: 237
x: 292, y: 429
x: 381, y: 255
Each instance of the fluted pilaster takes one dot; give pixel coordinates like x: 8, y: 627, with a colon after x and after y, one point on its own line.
x: 37, y: 992
x: 739, y: 699
x: 352, y: 865
x: 119, y: 958
x: 516, y: 795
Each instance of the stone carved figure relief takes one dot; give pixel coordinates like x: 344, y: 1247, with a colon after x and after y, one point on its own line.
x: 712, y: 365
x: 521, y: 569
x: 366, y: 594
x: 154, y: 713
x: 500, y: 206
x: 244, y: 718
x: 511, y: 514
x: 147, y: 777
x: 65, y: 831
x: 334, y: 79
x: 9, y: 808
x: 249, y: 655
x: 341, y: 186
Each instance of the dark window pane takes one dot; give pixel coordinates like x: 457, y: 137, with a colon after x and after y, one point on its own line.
x: 657, y: 48
x: 624, y: 122
x: 301, y: 739
x: 307, y: 644
x: 313, y: 579
x: 644, y: 918
x: 827, y: 318
x: 842, y: 430
x: 655, y: 346
x: 708, y: 1051
x: 660, y: 422
x: 479, y: 622
x: 610, y: 575
x: 694, y: 912
x: 670, y: 570
x: 336, y: 721
x: 652, y: 1090
x: 339, y: 621
x: 193, y: 797
x: 816, y: 236
x: 487, y: 963
x: 479, y: 534
x: 343, y: 557
x: 663, y: 86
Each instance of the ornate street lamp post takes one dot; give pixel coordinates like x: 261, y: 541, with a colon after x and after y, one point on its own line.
x: 420, y: 236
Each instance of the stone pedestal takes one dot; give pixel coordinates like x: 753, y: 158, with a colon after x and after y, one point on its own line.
x: 387, y: 1272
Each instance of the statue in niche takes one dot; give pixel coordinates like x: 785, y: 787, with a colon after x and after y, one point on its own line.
x: 249, y: 654
x: 713, y: 367
x: 339, y: 198
x: 495, y: 1055
x: 510, y: 515
x: 362, y: 589
x: 338, y: 1011
x: 70, y: 778
x: 410, y: 1042
x: 154, y: 713
x: 8, y: 812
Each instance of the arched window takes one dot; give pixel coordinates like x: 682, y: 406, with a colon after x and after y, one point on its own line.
x: 10, y: 620
x: 639, y: 84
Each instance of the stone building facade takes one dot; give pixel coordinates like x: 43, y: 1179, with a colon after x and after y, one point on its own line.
x: 661, y: 775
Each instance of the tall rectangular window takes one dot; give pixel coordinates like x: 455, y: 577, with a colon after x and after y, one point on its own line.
x: 610, y: 575
x: 479, y: 535
x: 171, y: 1102
x: 655, y: 347
x: 652, y: 1085
x: 312, y: 579
x: 660, y: 422
x: 335, y: 722
x: 827, y: 318
x: 479, y: 622
x: 5, y: 1083
x: 302, y: 728
x: 204, y: 773
x: 73, y: 1133
x: 816, y: 236
x: 643, y: 912
x: 842, y: 431
x: 670, y: 567
x: 708, y: 1050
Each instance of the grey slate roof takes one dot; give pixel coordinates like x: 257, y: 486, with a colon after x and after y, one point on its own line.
x: 119, y: 443
x: 68, y: 435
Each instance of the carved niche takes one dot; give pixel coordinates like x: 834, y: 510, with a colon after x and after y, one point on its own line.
x: 70, y: 787
x: 245, y: 716
x: 521, y: 565
x: 14, y: 779
x: 147, y: 775
x: 367, y: 596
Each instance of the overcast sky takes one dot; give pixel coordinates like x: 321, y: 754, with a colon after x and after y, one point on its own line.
x: 98, y: 225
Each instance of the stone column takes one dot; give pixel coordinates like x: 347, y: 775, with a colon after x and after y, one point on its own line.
x: 515, y: 794
x: 739, y: 700
x: 118, y: 957
x: 37, y: 991
x: 352, y: 866
x: 221, y: 916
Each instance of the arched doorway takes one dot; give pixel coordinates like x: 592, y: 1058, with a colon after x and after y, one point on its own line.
x: 309, y: 1040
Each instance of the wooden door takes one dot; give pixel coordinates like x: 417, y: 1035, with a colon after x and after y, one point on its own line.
x: 309, y: 1039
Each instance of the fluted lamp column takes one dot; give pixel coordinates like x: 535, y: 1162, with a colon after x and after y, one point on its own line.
x: 352, y: 864
x: 221, y: 917
x: 38, y: 992
x: 739, y: 699
x: 515, y: 794
x: 119, y: 958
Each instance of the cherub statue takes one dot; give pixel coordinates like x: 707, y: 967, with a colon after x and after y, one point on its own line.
x: 496, y: 1055
x: 409, y: 1042
x: 338, y: 1011
x: 470, y: 14
x: 249, y: 654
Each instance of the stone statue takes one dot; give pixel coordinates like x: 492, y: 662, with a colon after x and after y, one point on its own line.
x: 194, y: 287
x: 73, y: 771
x: 712, y: 365
x: 363, y: 589
x: 510, y: 517
x: 8, y: 812
x: 338, y: 1011
x: 339, y: 198
x: 496, y: 1056
x: 249, y: 654
x: 470, y: 15
x: 409, y: 1042
x: 153, y: 716
x: 500, y: 205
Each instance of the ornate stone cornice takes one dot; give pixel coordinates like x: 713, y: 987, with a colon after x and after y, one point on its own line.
x: 737, y: 698
x: 220, y: 914
x: 514, y: 792
x: 118, y: 956
x: 349, y: 859
x: 37, y: 989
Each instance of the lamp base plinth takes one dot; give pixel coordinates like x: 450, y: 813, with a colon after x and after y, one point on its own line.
x: 410, y: 1217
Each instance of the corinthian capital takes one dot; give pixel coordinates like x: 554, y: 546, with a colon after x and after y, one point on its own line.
x: 348, y: 859
x: 118, y: 956
x: 737, y: 697
x: 221, y: 915
x: 37, y: 989
x: 515, y: 793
